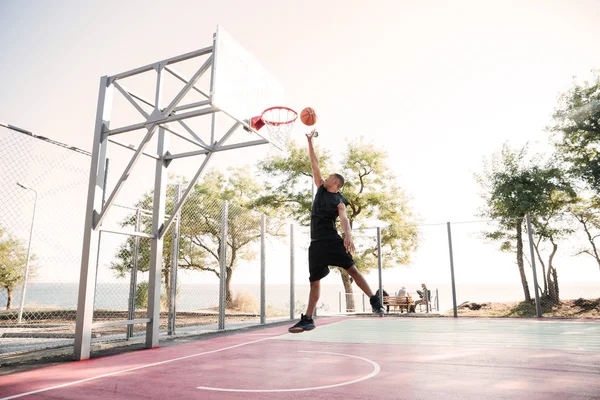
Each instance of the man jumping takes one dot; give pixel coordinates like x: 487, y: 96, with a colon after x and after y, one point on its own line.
x: 326, y: 246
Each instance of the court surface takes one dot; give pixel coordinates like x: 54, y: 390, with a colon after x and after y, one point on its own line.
x: 345, y: 357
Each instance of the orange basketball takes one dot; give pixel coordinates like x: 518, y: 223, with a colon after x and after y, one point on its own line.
x: 308, y: 116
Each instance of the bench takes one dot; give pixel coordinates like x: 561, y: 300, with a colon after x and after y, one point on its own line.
x: 402, y: 303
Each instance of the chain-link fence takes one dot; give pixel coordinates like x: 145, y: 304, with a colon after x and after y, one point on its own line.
x: 41, y: 190
x: 493, y: 273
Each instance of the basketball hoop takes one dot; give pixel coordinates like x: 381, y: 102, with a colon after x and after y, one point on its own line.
x: 279, y: 122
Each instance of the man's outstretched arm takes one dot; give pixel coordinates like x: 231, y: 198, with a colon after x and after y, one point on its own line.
x: 345, y: 222
x: 314, y: 161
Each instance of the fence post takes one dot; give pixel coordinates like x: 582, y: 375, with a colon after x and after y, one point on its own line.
x: 133, y: 275
x: 100, y: 233
x: 363, y: 301
x: 263, y: 307
x: 538, y: 305
x: 223, y: 262
x: 379, y: 264
x: 452, y: 271
x: 292, y: 262
x: 174, y: 264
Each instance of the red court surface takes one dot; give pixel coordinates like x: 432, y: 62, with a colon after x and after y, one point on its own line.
x: 349, y: 358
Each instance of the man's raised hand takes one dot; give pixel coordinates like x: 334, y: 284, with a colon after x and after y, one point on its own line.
x: 310, y: 135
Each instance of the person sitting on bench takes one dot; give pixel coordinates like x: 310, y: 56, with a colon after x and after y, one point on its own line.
x: 422, y: 293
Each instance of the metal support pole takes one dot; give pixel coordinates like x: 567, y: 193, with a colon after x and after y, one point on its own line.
x: 379, y: 264
x: 538, y: 304
x: 452, y: 271
x: 100, y: 234
x: 363, y: 301
x: 263, y: 303
x: 340, y: 301
x: 133, y: 275
x: 292, y: 262
x: 26, y: 274
x: 223, y: 264
x: 174, y: 264
x: 96, y: 188
x: 156, y: 243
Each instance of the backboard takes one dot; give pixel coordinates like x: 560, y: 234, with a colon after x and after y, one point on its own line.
x: 241, y: 87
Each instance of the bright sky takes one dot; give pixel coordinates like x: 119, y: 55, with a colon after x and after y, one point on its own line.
x: 439, y: 84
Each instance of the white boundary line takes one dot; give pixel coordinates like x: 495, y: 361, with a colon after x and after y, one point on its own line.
x: 132, y: 369
x: 376, y: 370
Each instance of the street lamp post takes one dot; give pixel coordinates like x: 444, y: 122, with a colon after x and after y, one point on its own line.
x: 28, y: 252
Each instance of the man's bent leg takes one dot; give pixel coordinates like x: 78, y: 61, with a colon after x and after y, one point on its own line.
x: 360, y: 280
x: 313, y: 297
x: 362, y: 283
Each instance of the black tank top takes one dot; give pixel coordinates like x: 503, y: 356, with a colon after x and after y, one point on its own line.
x: 324, y: 214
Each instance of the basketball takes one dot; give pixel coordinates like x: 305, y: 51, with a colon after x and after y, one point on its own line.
x: 308, y: 116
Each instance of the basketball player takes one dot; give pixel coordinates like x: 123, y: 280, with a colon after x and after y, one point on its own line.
x: 326, y: 246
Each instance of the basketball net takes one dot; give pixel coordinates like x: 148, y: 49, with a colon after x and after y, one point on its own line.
x: 279, y: 122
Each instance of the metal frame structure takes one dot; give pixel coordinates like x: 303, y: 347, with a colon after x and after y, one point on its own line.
x: 161, y: 119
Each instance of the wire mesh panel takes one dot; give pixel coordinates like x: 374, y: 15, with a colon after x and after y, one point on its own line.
x: 42, y: 192
x: 495, y: 265
x: 427, y: 265
x: 567, y: 263
x: 301, y: 243
x: 277, y: 271
x: 242, y: 297
x: 488, y: 275
x: 366, y: 260
x: 198, y: 268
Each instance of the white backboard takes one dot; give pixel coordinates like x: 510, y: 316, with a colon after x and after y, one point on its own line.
x: 241, y: 87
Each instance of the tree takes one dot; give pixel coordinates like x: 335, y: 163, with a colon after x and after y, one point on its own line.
x: 125, y: 254
x: 371, y: 190
x: 550, y: 228
x: 577, y: 140
x: 586, y: 212
x: 200, y: 232
x: 289, y: 180
x: 13, y: 259
x: 577, y: 131
x: 513, y: 188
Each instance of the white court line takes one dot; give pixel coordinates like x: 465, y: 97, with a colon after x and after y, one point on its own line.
x: 376, y: 369
x: 130, y: 369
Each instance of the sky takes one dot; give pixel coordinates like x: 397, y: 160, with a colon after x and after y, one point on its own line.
x: 440, y: 85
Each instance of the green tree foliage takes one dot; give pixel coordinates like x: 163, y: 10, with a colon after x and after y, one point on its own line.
x: 371, y: 189
x: 200, y: 233
x: 289, y: 180
x: 548, y: 229
x: 13, y: 259
x: 577, y: 131
x: 587, y: 213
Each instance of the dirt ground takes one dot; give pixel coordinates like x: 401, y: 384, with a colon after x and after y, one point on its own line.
x: 579, y: 308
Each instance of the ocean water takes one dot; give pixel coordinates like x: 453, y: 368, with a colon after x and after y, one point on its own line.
x: 191, y: 297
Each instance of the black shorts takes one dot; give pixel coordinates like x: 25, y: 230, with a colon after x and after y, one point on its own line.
x: 323, y: 253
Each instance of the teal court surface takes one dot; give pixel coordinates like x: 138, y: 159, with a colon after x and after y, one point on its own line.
x: 344, y: 358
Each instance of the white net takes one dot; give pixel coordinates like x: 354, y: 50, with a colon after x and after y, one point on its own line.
x: 279, y: 121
